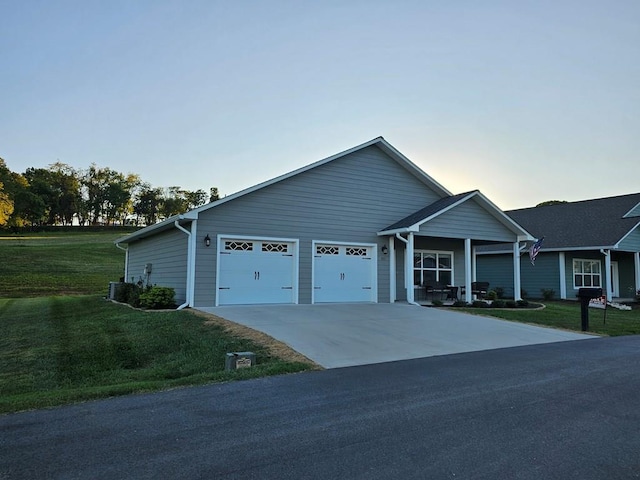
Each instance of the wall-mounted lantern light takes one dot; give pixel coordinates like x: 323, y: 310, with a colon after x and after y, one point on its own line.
x: 385, y: 249
x: 207, y: 241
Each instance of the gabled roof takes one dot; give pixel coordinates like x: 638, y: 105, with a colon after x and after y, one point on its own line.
x: 379, y: 142
x: 412, y: 222
x: 587, y: 224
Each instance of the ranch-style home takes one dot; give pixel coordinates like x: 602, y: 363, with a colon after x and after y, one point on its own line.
x: 591, y: 243
x: 364, y: 225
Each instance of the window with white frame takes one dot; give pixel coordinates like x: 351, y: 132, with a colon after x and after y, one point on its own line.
x: 431, y: 267
x: 586, y: 273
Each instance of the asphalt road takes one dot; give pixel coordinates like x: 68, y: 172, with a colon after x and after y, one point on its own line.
x: 568, y: 410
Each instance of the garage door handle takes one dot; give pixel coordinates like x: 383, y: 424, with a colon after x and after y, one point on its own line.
x: 286, y: 288
x: 224, y: 288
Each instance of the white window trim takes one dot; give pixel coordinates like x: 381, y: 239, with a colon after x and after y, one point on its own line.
x: 296, y: 259
x: 573, y: 272
x: 446, y: 252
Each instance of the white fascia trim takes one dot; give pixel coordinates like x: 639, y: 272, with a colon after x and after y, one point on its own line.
x: 164, y: 225
x: 395, y: 231
x: 296, y: 259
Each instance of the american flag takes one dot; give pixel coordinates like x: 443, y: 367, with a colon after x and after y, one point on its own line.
x: 533, y: 251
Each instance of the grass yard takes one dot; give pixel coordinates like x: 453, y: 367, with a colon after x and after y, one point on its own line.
x: 59, y: 263
x: 566, y: 315
x: 56, y: 350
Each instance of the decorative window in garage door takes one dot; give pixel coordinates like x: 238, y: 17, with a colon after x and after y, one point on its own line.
x: 238, y: 246
x: 327, y: 250
x: 357, y: 251
x: 276, y: 247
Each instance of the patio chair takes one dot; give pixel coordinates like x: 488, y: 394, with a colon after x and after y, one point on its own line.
x: 479, y: 289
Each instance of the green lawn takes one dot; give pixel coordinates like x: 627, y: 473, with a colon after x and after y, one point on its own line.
x: 566, y: 315
x: 56, y: 350
x: 59, y: 263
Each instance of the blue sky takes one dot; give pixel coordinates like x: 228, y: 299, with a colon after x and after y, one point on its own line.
x: 526, y: 101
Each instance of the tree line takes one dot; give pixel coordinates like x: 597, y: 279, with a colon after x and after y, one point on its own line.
x: 63, y: 195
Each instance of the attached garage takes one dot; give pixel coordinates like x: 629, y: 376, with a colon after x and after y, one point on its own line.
x: 344, y: 273
x: 256, y: 271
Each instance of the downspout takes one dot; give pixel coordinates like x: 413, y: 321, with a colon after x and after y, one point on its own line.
x: 126, y: 260
x: 407, y: 274
x: 189, y: 264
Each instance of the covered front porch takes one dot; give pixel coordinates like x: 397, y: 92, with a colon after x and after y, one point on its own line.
x: 433, y: 251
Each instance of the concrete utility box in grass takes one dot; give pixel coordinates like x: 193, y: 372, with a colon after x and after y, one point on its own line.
x: 236, y: 360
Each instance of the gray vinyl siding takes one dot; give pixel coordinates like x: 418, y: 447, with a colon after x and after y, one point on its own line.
x: 626, y: 274
x: 346, y: 200
x: 167, y: 253
x: 468, y: 220
x: 498, y: 271
x: 631, y: 243
x: 545, y: 274
x: 583, y: 255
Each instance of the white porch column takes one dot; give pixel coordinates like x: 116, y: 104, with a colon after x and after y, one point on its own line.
x: 636, y: 261
x: 607, y: 269
x: 563, y: 276
x: 392, y: 270
x: 516, y: 271
x: 409, y: 268
x: 468, y: 275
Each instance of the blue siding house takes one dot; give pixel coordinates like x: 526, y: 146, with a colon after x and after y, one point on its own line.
x: 591, y: 243
x: 364, y: 225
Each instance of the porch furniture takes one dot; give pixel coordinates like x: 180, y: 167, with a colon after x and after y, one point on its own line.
x: 479, y: 289
x: 452, y: 293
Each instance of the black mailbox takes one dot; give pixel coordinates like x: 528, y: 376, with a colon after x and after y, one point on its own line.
x: 589, y: 293
x: 586, y: 294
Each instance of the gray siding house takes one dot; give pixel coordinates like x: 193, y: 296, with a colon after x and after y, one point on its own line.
x: 364, y: 225
x: 591, y: 243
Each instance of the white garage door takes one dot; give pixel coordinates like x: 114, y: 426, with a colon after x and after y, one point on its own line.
x: 256, y: 271
x: 343, y: 273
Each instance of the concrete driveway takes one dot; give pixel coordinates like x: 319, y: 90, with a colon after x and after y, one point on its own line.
x: 343, y: 335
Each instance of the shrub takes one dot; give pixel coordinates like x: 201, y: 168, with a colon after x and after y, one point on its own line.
x: 155, y: 298
x: 499, y: 291
x: 498, y: 304
x: 522, y: 303
x: 548, y: 293
x: 492, y: 295
x: 437, y: 303
x: 460, y: 303
x: 511, y: 304
x: 479, y: 304
x: 128, y: 293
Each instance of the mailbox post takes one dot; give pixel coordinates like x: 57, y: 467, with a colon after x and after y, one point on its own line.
x: 586, y: 294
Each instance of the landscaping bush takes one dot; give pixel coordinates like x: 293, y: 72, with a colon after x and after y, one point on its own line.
x: 155, y: 298
x: 128, y: 293
x: 479, y: 304
x: 437, y: 303
x: 499, y: 291
x: 548, y: 293
x: 511, y: 304
x: 492, y: 295
x: 498, y: 304
x: 460, y: 303
x: 522, y: 303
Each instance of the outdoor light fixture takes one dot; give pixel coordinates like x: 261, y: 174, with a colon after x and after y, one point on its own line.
x: 207, y: 241
x: 385, y: 250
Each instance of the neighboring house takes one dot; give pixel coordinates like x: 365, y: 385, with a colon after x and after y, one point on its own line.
x: 353, y: 227
x: 592, y: 243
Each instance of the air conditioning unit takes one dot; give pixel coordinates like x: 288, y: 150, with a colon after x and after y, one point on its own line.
x: 113, y: 286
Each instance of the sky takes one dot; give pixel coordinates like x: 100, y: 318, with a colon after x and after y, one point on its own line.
x: 526, y: 101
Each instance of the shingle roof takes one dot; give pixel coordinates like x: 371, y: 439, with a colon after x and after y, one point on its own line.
x: 428, y: 211
x: 588, y: 223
